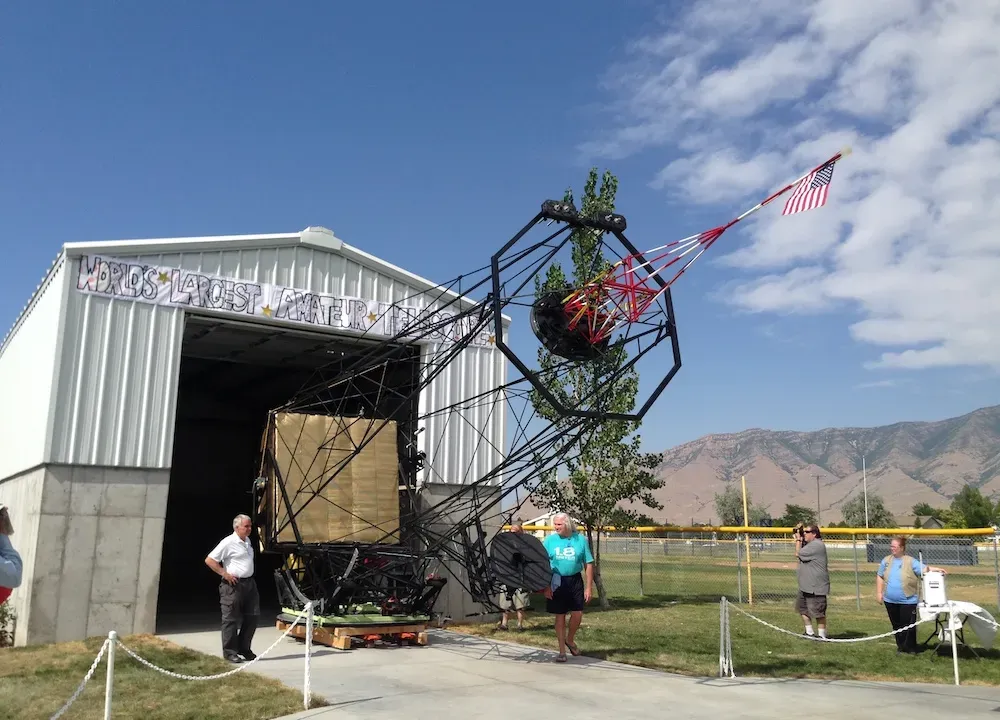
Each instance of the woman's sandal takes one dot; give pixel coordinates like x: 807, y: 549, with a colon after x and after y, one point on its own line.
x: 561, y: 657
x: 573, y: 649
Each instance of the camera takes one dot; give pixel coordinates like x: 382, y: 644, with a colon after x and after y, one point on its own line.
x: 797, y: 531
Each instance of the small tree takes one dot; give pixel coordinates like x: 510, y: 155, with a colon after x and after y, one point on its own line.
x: 795, y: 514
x: 969, y: 509
x: 729, y: 507
x: 593, y: 491
x: 606, y: 468
x: 878, y: 514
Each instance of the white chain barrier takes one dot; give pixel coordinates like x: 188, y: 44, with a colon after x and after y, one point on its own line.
x: 112, y: 641
x: 86, y: 679
x: 726, y: 648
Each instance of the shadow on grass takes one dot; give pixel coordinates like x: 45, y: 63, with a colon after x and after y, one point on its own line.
x: 636, y: 602
x: 964, y: 652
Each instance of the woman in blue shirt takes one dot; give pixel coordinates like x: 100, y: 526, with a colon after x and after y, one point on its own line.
x: 897, y: 585
x: 570, y: 557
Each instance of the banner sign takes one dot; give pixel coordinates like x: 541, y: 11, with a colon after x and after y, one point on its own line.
x: 188, y: 289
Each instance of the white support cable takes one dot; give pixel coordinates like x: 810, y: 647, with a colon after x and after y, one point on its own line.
x: 86, y: 679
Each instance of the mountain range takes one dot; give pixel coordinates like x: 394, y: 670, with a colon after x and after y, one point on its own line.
x: 906, y: 463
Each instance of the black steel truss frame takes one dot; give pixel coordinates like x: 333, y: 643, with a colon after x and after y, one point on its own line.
x: 382, y: 378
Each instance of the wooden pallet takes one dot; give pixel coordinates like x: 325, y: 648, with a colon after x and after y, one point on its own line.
x: 339, y: 636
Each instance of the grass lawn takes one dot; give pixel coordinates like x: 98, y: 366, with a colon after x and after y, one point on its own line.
x: 36, y: 681
x: 683, y: 637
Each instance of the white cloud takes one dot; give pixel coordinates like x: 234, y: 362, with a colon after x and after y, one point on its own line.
x: 744, y: 96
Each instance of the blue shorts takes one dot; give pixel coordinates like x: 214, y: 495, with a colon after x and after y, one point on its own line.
x: 568, y: 597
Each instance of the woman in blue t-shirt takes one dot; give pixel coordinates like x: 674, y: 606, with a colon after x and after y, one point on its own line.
x: 571, y: 559
x: 897, y: 585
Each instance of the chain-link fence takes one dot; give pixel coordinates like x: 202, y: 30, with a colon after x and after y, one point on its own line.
x: 759, y: 566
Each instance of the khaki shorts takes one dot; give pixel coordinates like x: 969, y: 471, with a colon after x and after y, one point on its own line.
x: 518, y: 601
x: 811, y: 605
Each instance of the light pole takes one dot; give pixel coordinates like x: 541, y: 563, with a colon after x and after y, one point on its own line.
x: 864, y: 475
x: 817, y: 501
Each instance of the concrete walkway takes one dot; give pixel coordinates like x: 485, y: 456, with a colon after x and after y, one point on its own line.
x: 471, y: 677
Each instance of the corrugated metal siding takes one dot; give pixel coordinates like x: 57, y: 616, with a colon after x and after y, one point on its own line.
x: 465, y: 442
x: 27, y: 366
x: 116, y: 404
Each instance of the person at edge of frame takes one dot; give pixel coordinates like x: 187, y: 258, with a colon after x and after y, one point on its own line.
x: 513, y: 599
x: 11, y: 565
x: 814, y: 578
x: 571, y: 560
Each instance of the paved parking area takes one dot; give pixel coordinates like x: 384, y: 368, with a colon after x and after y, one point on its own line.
x: 472, y: 677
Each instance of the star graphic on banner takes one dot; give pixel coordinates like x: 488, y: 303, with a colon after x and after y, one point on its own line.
x: 492, y: 339
x: 163, y: 277
x: 266, y: 310
x: 372, y: 317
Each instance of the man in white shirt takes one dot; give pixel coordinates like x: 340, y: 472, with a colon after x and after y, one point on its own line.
x: 232, y: 559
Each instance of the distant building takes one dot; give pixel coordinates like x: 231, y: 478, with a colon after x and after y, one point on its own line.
x: 923, y: 522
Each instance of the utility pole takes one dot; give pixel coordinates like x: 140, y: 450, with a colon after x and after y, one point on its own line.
x: 817, y: 501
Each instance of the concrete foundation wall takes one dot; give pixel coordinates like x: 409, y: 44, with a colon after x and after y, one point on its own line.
x: 96, y: 544
x: 455, y: 601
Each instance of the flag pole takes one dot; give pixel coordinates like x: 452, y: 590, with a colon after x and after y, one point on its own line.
x: 842, y: 154
x: 708, y: 238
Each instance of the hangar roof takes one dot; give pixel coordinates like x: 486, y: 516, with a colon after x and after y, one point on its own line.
x: 312, y: 237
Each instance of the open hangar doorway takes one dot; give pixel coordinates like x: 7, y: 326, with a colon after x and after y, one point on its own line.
x: 232, y: 375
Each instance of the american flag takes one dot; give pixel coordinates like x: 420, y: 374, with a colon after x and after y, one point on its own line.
x: 811, y: 192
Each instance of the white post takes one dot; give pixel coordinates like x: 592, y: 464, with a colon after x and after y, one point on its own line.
x: 722, y: 636
x: 954, y: 648
x: 306, y: 684
x: 864, y: 474
x: 110, y: 684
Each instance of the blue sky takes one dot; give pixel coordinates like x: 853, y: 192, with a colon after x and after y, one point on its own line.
x: 428, y: 133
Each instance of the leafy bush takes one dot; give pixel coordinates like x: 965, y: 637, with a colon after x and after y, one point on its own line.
x: 7, y: 618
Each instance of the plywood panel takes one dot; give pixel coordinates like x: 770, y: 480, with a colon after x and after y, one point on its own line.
x: 361, y: 503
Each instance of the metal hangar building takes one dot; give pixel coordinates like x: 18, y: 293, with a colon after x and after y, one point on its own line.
x: 136, y: 398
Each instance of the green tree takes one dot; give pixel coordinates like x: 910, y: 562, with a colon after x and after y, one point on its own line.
x: 795, y: 514
x: 606, y: 467
x: 878, y: 514
x: 926, y: 510
x: 729, y: 507
x: 969, y: 509
x: 622, y: 519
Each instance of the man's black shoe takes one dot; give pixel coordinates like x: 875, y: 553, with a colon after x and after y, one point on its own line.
x: 233, y: 658
x: 248, y: 655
